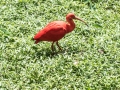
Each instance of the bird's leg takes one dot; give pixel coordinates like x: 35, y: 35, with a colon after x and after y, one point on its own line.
x: 58, y: 46
x: 52, y: 47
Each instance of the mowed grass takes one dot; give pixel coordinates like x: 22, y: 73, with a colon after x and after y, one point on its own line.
x: 90, y: 59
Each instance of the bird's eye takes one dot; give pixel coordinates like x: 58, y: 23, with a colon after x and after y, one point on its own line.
x: 73, y: 17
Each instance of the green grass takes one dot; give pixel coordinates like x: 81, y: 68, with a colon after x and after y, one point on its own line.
x: 91, y: 56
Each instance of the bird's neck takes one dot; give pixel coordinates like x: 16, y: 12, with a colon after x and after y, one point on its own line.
x: 71, y: 26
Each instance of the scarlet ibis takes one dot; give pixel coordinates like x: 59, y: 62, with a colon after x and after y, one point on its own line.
x: 56, y: 30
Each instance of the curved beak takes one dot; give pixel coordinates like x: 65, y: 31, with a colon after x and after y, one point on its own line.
x: 81, y: 20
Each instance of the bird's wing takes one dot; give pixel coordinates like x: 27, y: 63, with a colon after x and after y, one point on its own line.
x: 53, y: 32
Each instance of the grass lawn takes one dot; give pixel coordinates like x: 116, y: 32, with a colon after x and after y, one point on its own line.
x: 90, y: 59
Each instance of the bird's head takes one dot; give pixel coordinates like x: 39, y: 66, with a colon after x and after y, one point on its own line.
x: 71, y: 16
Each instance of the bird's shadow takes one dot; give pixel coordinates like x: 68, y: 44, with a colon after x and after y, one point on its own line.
x: 47, y: 52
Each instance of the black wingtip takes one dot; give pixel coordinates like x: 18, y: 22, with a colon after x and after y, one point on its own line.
x: 32, y: 38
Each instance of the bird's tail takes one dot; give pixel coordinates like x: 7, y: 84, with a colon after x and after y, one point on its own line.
x: 36, y: 41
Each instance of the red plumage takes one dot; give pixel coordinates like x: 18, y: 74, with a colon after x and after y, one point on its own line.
x: 56, y: 30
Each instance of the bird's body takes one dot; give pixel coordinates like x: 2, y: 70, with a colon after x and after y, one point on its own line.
x: 56, y: 30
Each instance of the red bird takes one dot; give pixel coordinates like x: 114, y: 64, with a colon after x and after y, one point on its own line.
x: 56, y: 30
